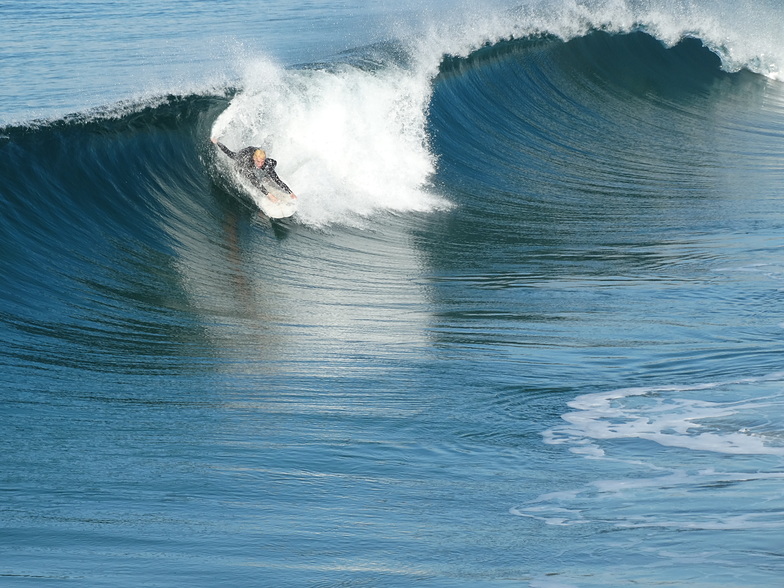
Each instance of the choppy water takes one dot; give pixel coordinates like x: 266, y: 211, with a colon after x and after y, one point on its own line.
x: 524, y: 330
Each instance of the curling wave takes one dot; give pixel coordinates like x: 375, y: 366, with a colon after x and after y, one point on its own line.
x: 513, y: 130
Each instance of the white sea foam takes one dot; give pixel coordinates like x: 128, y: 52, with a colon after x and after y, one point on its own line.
x: 666, y: 484
x: 349, y: 142
x: 671, y: 500
x: 676, y: 416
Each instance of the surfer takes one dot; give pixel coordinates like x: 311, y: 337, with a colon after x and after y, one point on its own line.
x: 253, y: 161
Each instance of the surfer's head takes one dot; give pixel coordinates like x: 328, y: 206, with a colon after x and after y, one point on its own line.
x: 259, y: 157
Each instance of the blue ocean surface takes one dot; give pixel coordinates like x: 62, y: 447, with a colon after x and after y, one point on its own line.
x: 525, y: 329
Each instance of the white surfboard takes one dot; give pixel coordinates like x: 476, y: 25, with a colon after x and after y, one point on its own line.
x: 275, y: 204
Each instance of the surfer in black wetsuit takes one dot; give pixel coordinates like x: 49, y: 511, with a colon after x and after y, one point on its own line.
x: 253, y: 163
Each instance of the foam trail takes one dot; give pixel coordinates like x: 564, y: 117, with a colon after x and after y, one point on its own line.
x: 675, y: 416
x: 684, y: 427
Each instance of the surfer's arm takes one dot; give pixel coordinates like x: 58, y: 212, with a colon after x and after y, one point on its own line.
x: 225, y: 149
x: 257, y: 183
x: 274, y: 177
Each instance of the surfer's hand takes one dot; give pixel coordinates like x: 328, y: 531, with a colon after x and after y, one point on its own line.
x: 213, y: 139
x: 272, y: 197
x: 293, y: 196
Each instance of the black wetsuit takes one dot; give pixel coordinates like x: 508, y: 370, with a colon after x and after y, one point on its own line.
x: 247, y: 167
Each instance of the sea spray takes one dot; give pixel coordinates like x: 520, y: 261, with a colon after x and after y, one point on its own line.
x: 349, y: 140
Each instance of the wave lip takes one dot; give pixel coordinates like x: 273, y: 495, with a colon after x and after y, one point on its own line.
x: 742, y: 36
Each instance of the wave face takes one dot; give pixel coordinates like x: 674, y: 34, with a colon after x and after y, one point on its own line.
x: 94, y: 209
x: 616, y: 114
x: 532, y: 291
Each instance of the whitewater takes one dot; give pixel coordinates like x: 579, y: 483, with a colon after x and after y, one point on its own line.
x: 525, y: 328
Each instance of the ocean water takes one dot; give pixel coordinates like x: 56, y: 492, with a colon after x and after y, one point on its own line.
x: 525, y: 330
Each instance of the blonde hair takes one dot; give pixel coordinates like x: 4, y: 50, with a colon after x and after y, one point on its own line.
x: 260, y: 153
